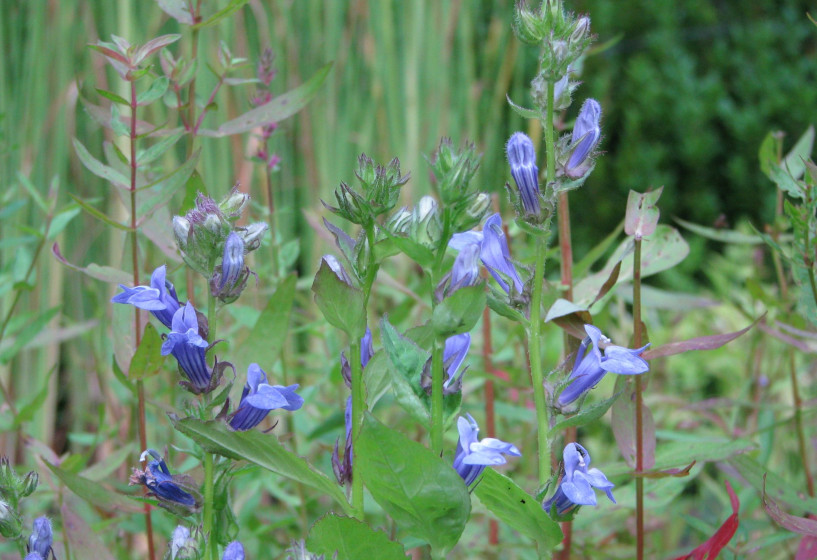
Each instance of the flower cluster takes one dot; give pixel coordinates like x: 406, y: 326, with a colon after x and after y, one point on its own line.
x: 493, y: 252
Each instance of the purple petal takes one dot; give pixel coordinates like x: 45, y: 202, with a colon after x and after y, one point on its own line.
x: 579, y: 491
x: 266, y: 398
x: 460, y: 241
x: 255, y: 376
x: 618, y: 359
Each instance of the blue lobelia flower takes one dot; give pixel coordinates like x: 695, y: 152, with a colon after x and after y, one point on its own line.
x: 258, y: 398
x: 456, y: 348
x: 493, y: 251
x: 590, y: 368
x: 522, y: 159
x: 586, y: 136
x: 189, y: 348
x: 576, y: 488
x: 159, y: 298
x: 473, y: 456
x: 41, y: 538
x: 230, y: 278
x: 234, y: 551
x: 171, y: 491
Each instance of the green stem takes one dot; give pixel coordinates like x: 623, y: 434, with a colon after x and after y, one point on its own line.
x: 358, y: 408
x: 437, y: 375
x: 639, y: 420
x: 537, y: 374
x: 211, y: 550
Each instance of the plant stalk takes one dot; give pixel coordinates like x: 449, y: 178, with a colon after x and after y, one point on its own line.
x: 358, y: 408
x: 211, y: 549
x: 639, y: 420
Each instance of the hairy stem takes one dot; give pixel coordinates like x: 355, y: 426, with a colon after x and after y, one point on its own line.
x: 639, y: 436
x: 490, y: 420
x: 358, y: 408
x: 537, y: 375
x: 437, y: 375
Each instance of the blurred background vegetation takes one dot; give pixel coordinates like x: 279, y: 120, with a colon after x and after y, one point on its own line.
x: 689, y: 89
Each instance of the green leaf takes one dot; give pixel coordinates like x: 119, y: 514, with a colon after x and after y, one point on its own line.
x: 585, y: 415
x: 351, y: 539
x: 84, y: 542
x: 340, y: 303
x: 233, y: 6
x: 408, y: 360
x: 459, y: 312
x: 98, y: 214
x: 269, y: 333
x: 9, y: 349
x: 420, y: 491
x: 777, y: 488
x: 158, y: 149
x: 117, y: 125
x: 522, y: 111
x: 723, y: 235
x: 260, y: 449
x: 279, y: 108
x: 794, y: 162
x: 32, y: 191
x: 512, y: 505
x: 103, y: 273
x: 161, y: 191
x: 420, y: 254
x: 377, y: 377
x: 95, y: 493
x: 148, y: 359
x: 156, y: 90
x: 113, y: 97
x: 27, y: 412
x: 61, y: 220
x: 98, y: 168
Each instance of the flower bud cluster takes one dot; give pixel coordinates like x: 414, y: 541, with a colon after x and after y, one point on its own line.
x: 13, y: 488
x: 208, y: 234
x: 454, y: 169
x: 378, y: 193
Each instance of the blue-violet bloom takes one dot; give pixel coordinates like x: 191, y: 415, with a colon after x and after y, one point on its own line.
x: 159, y: 298
x: 231, y: 279
x: 578, y: 482
x: 188, y: 347
x: 456, y: 348
x: 234, y: 551
x: 494, y: 251
x: 258, y: 398
x: 473, y: 456
x: 586, y: 136
x: 165, y: 486
x: 590, y: 368
x: 522, y: 158
x: 41, y: 538
x: 465, y: 271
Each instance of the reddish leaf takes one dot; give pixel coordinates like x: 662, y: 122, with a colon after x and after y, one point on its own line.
x: 676, y: 473
x: 807, y: 549
x: 713, y: 546
x: 154, y: 45
x: 700, y: 343
x: 623, y: 421
x: 642, y: 215
x: 800, y: 525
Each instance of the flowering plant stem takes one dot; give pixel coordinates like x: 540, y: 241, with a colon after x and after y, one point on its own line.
x: 639, y: 437
x: 137, y: 323
x: 534, y: 337
x: 437, y: 373
x: 211, y: 550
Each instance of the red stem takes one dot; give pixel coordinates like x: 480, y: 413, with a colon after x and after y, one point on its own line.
x: 639, y: 436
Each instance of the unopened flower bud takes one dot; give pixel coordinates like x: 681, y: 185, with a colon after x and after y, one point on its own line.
x: 232, y: 264
x: 560, y: 50
x: 586, y: 136
x: 10, y: 524
x: 522, y: 157
x: 181, y: 230
x: 426, y: 208
x: 234, y: 203
x: 41, y: 537
x: 253, y: 234
x: 183, y: 546
x: 29, y: 484
x: 425, y: 222
x: 400, y: 221
x: 213, y: 223
x: 479, y: 206
x: 580, y: 31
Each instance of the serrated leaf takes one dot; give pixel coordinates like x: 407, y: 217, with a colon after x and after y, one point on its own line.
x: 95, y: 493
x: 279, y: 108
x: 260, y: 449
x: 421, y: 492
x: 459, y: 312
x: 771, y: 484
x: 521, y: 511
x: 351, y: 540
x: 154, y: 45
x: 340, y: 303
x: 623, y: 423
x: 148, y: 359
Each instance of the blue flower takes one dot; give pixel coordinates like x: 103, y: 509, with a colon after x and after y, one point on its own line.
x: 493, y: 251
x: 182, y: 545
x: 473, y: 456
x: 522, y: 158
x: 230, y: 279
x: 41, y: 538
x: 189, y: 348
x: 234, y: 551
x: 259, y: 398
x: 465, y: 271
x: 171, y: 490
x: 159, y: 298
x: 589, y: 369
x: 456, y: 348
x: 586, y: 136
x: 578, y: 482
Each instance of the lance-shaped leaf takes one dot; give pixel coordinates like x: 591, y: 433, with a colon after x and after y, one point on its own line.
x: 103, y: 273
x: 713, y: 546
x: 231, y: 7
x: 152, y: 46
x: 802, y: 525
x: 623, y: 420
x: 260, y: 449
x: 177, y: 9
x: 422, y: 493
x: 518, y: 509
x: 642, y: 215
x: 279, y: 108
x: 699, y: 343
x: 98, y: 168
x: 94, y: 493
